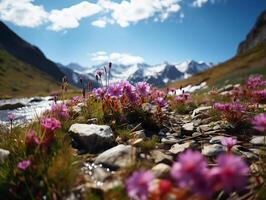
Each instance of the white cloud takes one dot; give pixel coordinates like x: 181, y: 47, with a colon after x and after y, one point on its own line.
x: 199, y: 3
x: 70, y: 17
x: 124, y: 13
x: 118, y: 58
x: 133, y: 11
x: 22, y: 13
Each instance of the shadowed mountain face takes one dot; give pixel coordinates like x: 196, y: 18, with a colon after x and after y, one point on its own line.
x: 256, y: 36
x: 29, y: 54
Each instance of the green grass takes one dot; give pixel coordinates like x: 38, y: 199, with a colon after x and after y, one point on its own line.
x: 19, y: 79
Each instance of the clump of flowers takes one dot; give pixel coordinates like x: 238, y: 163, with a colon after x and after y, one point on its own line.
x: 50, y: 125
x: 259, y: 122
x: 255, y: 81
x: 231, y: 111
x: 190, y: 173
x: 183, y: 98
x: 139, y: 184
x: 60, y: 111
x: 259, y: 95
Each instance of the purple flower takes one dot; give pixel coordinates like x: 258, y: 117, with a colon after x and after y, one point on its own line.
x: 236, y: 106
x: 228, y: 142
x: 31, y: 139
x: 11, y: 117
x: 115, y: 90
x: 60, y: 110
x: 99, y: 92
x: 255, y: 81
x: 260, y: 94
x: 183, y: 98
x: 50, y: 125
x: 23, y: 165
x: 143, y: 88
x: 139, y: 184
x: 233, y: 172
x: 189, y: 170
x: 259, y: 122
x: 160, y: 102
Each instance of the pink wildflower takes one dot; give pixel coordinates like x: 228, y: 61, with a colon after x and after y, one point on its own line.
x: 23, y: 165
x: 259, y: 122
x: 50, y: 125
x: 228, y: 142
x: 139, y: 184
x: 233, y: 172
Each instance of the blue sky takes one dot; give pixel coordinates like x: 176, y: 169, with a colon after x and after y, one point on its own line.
x: 151, y: 31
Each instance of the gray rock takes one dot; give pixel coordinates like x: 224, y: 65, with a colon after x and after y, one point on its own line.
x: 212, y: 150
x: 200, y: 110
x: 160, y: 157
x: 161, y: 170
x: 117, y: 157
x: 178, y: 148
x: 204, y: 128
x: 91, y: 137
x: 3, y: 155
x: 170, y: 140
x: 101, y: 174
x: 258, y: 140
x: 216, y: 139
x: 188, y: 127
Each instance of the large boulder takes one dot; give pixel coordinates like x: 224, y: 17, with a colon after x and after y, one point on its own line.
x: 92, y: 138
x: 117, y: 157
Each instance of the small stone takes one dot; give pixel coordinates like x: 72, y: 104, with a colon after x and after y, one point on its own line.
x: 178, y: 148
x: 160, y: 157
x: 3, y: 155
x: 216, y: 139
x: 169, y: 140
x: 204, y: 128
x: 117, y: 157
x: 212, y: 150
x: 188, y: 128
x: 258, y: 140
x: 92, y: 121
x: 161, y: 170
x: 200, y: 110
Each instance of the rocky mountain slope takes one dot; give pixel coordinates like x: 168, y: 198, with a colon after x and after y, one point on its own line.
x: 256, y: 36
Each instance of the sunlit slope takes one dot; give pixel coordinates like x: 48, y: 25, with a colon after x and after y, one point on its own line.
x: 20, y: 79
x: 234, y: 70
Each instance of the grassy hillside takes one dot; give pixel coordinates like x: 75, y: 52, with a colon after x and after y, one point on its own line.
x: 20, y: 79
x: 235, y: 70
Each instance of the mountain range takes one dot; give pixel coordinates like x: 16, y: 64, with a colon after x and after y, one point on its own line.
x: 157, y: 75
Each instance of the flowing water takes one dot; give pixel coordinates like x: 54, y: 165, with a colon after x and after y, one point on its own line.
x: 32, y: 108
